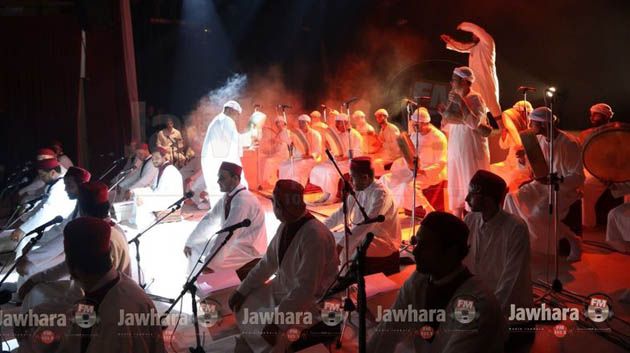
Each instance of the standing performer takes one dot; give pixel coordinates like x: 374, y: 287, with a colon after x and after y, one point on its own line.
x: 481, y: 59
x: 593, y: 188
x: 382, y: 255
x: 465, y: 116
x: 431, y: 146
x: 531, y: 200
x: 324, y: 174
x: 303, y: 258
x: 221, y: 144
x: 300, y: 167
x: 246, y: 245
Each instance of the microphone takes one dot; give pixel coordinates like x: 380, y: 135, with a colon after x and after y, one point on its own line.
x: 378, y: 219
x: 244, y: 224
x: 409, y: 101
x: 350, y: 101
x: 284, y: 106
x: 17, y: 183
x: 523, y: 89
x: 41, y: 228
x: 184, y: 198
x: 323, y: 106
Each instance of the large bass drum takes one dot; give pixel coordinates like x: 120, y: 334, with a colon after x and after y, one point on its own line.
x: 606, y: 151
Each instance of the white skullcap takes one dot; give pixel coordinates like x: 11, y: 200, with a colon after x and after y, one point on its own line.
x: 541, y: 114
x: 424, y: 115
x: 381, y: 112
x: 341, y: 117
x: 281, y: 118
x: 602, y: 108
x: 358, y: 113
x: 465, y: 72
x: 258, y: 117
x: 304, y: 117
x: 523, y: 106
x: 234, y: 105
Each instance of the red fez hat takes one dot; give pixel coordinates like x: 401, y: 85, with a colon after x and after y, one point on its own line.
x: 361, y: 164
x: 79, y: 175
x: 46, y: 153
x: 47, y: 164
x: 232, y: 168
x: 86, y: 238
x: 93, y: 193
x: 143, y: 146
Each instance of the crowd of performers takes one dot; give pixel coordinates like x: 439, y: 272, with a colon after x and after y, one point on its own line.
x: 478, y: 243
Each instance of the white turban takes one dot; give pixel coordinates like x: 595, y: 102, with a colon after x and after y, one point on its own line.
x: 341, y: 117
x: 257, y: 117
x: 523, y: 106
x: 423, y: 114
x: 358, y: 114
x: 465, y: 72
x: 541, y: 114
x: 304, y: 117
x: 603, y: 109
x: 234, y: 105
x: 381, y: 112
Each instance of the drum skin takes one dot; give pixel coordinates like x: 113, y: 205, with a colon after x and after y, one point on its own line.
x: 606, y: 152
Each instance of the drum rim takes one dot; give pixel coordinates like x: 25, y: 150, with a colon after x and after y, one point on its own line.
x: 601, y: 130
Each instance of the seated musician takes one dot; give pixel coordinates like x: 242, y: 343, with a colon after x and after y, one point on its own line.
x: 370, y: 138
x: 248, y: 244
x: 431, y: 152
x: 299, y: 167
x: 388, y: 151
x: 531, y: 200
x: 171, y: 139
x: 141, y: 177
x: 276, y: 149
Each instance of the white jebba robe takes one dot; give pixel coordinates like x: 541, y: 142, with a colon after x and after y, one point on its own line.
x: 388, y: 136
x: 499, y: 255
x: 220, y: 145
x: 509, y: 169
x: 325, y: 175
x: 107, y: 335
x: 531, y: 201
x: 467, y: 149
x: 272, y: 162
x: 300, y: 168
x: 486, y: 334
x: 142, y: 177
x: 245, y: 245
x: 164, y: 192
x: 308, y: 267
x: 432, y: 160
x: 376, y: 200
x: 618, y: 228
x: 481, y: 59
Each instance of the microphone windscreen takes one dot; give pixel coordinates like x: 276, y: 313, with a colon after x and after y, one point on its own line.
x: 247, y: 222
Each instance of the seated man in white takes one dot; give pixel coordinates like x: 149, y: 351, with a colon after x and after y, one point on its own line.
x: 299, y: 167
x: 324, y: 174
x: 303, y: 258
x: 36, y: 187
x: 439, y: 283
x: 382, y: 255
x: 277, y: 149
x: 246, y: 245
x: 141, y: 177
x: 430, y: 143
x: 167, y: 188
x: 387, y: 138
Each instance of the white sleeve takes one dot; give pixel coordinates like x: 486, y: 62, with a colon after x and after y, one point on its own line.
x: 267, y: 266
x: 516, y: 261
x: 203, y: 228
x: 147, y: 177
x: 239, y: 210
x: 57, y: 204
x: 477, y: 31
x: 169, y: 190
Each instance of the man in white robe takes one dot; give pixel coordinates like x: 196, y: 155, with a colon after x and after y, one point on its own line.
x: 370, y: 138
x: 303, y: 258
x: 499, y: 243
x: 246, y: 244
x: 141, y: 177
x: 439, y: 283
x: 431, y: 145
x: 481, y: 59
x: 167, y: 188
x: 593, y: 188
x: 282, y: 150
x: 618, y: 226
x: 36, y: 187
x: 221, y: 144
x: 324, y: 174
x: 316, y: 119
x: 387, y: 136
x: 299, y: 168
x: 468, y: 151
x: 55, y: 202
x: 531, y: 201
x: 107, y: 293
x: 382, y: 255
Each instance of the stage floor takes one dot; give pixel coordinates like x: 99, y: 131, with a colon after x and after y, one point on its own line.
x: 164, y: 267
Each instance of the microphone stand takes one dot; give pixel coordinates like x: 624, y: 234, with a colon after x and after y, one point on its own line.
x: 109, y: 170
x: 347, y: 190
x: 136, y: 241
x: 32, y: 242
x: 190, y: 287
x: 347, y: 106
x: 121, y: 177
x: 18, y: 215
